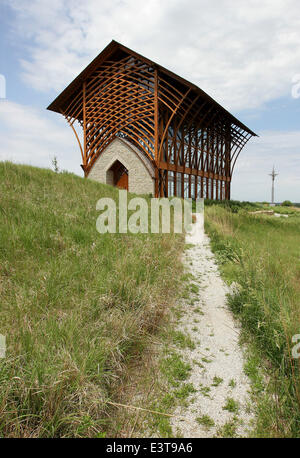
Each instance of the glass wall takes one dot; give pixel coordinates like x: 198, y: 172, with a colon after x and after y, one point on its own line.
x: 178, y: 185
x: 171, y: 190
x: 186, y: 186
x: 198, y: 187
x: 193, y: 179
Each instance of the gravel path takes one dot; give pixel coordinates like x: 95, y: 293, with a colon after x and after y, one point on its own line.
x: 220, y: 406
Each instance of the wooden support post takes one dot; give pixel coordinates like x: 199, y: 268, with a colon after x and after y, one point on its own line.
x: 228, y: 190
x: 176, y: 126
x: 162, y: 182
x: 175, y: 183
x: 227, y: 161
x: 167, y: 184
x: 84, y: 127
x: 156, y: 127
x: 156, y: 182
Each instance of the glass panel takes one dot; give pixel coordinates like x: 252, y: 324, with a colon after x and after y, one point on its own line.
x: 178, y: 184
x: 199, y: 187
x: 170, y: 184
x: 186, y: 186
x: 193, y: 186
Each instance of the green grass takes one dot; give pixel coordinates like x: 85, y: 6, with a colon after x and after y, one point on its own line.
x: 205, y: 390
x: 181, y: 340
x: 206, y: 421
x: 217, y: 381
x: 170, y: 378
x: 232, y: 383
x: 175, y: 369
x: 228, y: 430
x: 261, y: 254
x: 206, y: 360
x: 233, y: 206
x: 194, y: 288
x: 184, y: 391
x: 231, y: 405
x: 198, y: 310
x: 76, y: 306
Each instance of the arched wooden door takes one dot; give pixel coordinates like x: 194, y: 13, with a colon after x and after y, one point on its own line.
x: 122, y: 183
x: 120, y: 175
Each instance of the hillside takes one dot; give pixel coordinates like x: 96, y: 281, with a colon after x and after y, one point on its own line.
x: 76, y: 306
x: 260, y: 254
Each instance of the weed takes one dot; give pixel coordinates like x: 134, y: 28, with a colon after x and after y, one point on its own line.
x: 175, y: 369
x: 217, y: 381
x: 206, y: 421
x: 206, y: 360
x: 184, y: 391
x: 182, y: 340
x: 228, y: 430
x: 205, y: 390
x: 231, y: 405
x: 232, y: 383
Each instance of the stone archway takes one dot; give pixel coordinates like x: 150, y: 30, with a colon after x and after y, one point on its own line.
x: 139, y: 169
x: 117, y: 175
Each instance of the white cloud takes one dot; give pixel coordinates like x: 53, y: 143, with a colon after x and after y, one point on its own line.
x: 242, y: 53
x: 30, y: 136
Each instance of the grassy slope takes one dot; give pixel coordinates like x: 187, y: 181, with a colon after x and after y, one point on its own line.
x: 262, y: 254
x: 75, y: 305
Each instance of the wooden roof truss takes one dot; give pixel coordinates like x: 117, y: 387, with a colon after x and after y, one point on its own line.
x: 188, y: 137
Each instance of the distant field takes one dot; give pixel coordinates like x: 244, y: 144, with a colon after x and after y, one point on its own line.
x: 76, y: 306
x: 261, y: 254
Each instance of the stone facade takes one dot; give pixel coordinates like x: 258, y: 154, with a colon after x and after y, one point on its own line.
x: 140, y: 169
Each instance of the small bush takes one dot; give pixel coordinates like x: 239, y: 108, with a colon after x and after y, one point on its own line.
x: 232, y: 205
x: 287, y: 203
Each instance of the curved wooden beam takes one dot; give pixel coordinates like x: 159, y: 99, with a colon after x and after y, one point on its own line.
x: 76, y: 135
x: 177, y: 126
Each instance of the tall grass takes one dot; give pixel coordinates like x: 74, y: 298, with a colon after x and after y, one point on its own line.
x: 262, y: 255
x: 75, y: 305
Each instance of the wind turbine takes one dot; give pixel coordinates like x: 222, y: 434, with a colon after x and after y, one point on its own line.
x: 273, y: 175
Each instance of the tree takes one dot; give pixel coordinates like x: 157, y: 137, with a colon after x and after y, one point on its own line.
x: 287, y: 203
x: 55, y: 164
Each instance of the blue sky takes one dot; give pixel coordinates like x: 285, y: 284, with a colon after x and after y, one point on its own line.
x: 245, y: 54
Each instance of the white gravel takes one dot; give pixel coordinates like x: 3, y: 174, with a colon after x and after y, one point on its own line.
x: 217, y: 352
